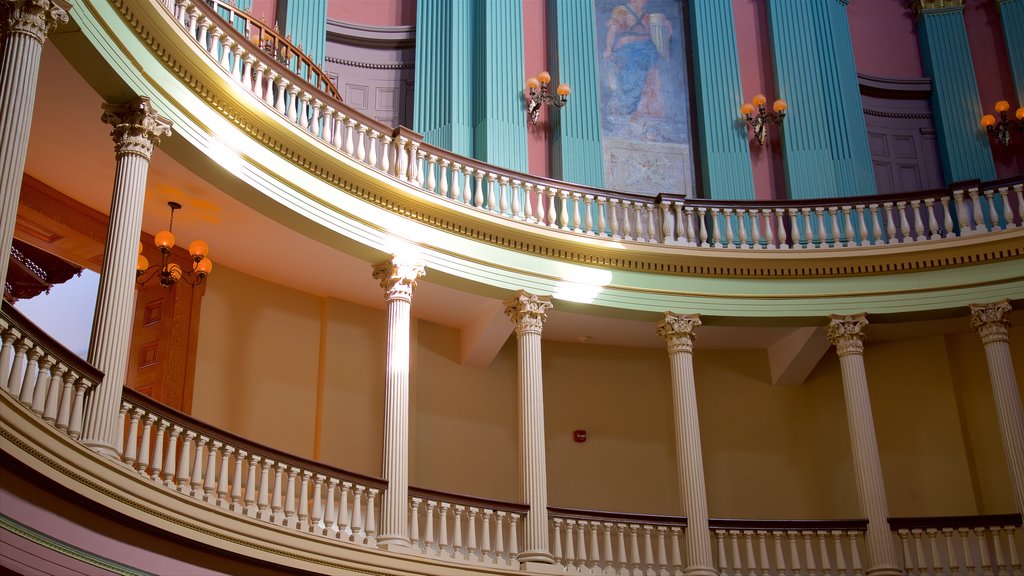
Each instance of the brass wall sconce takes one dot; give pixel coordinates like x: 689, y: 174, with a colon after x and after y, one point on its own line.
x: 168, y: 272
x: 1001, y: 128
x: 760, y: 122
x: 540, y: 95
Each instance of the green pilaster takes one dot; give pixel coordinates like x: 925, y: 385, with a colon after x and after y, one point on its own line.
x: 824, y: 138
x: 1011, y: 13
x: 576, y: 152
x: 725, y: 152
x: 306, y: 22
x: 963, y: 144
x: 499, y: 134
x: 443, y: 99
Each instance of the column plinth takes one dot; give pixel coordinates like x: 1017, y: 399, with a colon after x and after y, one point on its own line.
x: 992, y: 321
x: 677, y: 330
x: 137, y: 129
x: 846, y: 333
x: 528, y: 312
x: 23, y: 31
x: 397, y: 277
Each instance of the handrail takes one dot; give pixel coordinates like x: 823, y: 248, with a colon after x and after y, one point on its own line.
x: 982, y: 521
x: 51, y: 344
x: 622, y: 517
x: 272, y: 42
x: 786, y: 525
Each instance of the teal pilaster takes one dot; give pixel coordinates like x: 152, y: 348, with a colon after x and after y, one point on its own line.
x: 443, y: 99
x: 725, y: 152
x: 242, y: 5
x: 499, y: 134
x: 576, y: 152
x: 306, y: 22
x: 963, y: 144
x: 824, y: 138
x: 1011, y: 13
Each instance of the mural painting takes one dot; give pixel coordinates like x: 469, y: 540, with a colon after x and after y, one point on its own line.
x: 644, y: 96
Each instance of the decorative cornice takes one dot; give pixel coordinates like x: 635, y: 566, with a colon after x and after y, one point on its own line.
x: 137, y: 127
x: 398, y: 277
x: 527, y: 311
x: 846, y: 333
x: 35, y: 18
x: 369, y: 65
x: 992, y: 321
x: 679, y: 331
x: 901, y: 115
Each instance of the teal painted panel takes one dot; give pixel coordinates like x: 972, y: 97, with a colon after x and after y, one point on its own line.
x: 306, y: 22
x: 576, y: 152
x: 724, y: 148
x: 499, y: 128
x: 443, y: 109
x: 946, y: 55
x: 1011, y: 12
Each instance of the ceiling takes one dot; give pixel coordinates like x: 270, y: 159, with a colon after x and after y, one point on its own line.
x: 70, y: 149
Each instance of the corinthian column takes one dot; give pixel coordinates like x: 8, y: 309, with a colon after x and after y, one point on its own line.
x: 397, y: 277
x: 23, y: 31
x: 137, y: 128
x: 846, y: 333
x: 993, y: 325
x: 677, y: 330
x: 528, y: 313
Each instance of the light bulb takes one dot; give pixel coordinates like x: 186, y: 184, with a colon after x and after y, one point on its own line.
x: 759, y: 100
x: 198, y: 249
x: 164, y: 240
x: 544, y: 77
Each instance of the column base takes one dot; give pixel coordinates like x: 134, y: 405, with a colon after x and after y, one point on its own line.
x: 699, y: 571
x: 395, y: 544
x: 102, y: 448
x: 890, y: 570
x: 541, y: 567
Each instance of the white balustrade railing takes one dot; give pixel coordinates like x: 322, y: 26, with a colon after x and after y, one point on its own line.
x: 611, y: 543
x: 181, y: 454
x: 670, y: 219
x: 464, y: 529
x: 965, y: 546
x: 770, y: 548
x: 42, y: 375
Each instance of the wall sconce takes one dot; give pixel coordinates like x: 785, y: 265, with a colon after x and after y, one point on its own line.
x: 541, y: 96
x: 760, y: 122
x: 168, y: 272
x: 1001, y: 129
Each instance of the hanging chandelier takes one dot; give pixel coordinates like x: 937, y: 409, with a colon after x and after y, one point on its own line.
x: 168, y: 272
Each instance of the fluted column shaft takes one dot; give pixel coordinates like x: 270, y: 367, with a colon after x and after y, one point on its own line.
x: 993, y: 325
x: 24, y: 31
x: 678, y: 332
x: 397, y: 277
x: 847, y: 334
x: 137, y: 128
x: 528, y: 313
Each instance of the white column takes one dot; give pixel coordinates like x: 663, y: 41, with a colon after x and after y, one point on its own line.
x: 992, y: 321
x: 397, y: 277
x: 26, y: 24
x: 677, y: 330
x: 528, y: 313
x: 846, y: 333
x: 137, y: 128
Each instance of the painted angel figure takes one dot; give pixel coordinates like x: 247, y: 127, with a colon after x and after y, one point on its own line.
x: 635, y: 42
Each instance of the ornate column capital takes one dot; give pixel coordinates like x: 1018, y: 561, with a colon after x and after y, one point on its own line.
x: 398, y: 277
x: 137, y: 127
x: 679, y: 331
x: 846, y: 332
x: 992, y: 321
x: 35, y: 18
x: 930, y: 6
x: 527, y: 311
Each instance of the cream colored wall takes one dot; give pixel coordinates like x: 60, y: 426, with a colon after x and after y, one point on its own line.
x: 256, y: 366
x: 769, y: 451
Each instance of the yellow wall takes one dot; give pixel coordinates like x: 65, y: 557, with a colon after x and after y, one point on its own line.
x: 769, y: 451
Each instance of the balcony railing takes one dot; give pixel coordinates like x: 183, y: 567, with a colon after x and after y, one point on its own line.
x: 543, y: 203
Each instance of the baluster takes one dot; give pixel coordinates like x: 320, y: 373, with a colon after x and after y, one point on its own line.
x: 293, y: 104
x: 172, y: 456
x: 826, y: 565
x: 119, y: 430
x: 769, y: 234
x: 1015, y: 561
x: 67, y: 399
x: 478, y: 199
x: 652, y: 223
x: 954, y: 564
x: 622, y: 560
x: 908, y: 558
x: 648, y: 548
x: 780, y: 557
x: 316, y: 519
x: 563, y: 217
x: 467, y: 185
x: 576, y: 202
x: 794, y: 551
x: 442, y: 542
x: 357, y: 515
x: 503, y: 199
x: 38, y: 395
x: 809, y: 552
x: 798, y: 240
x: 528, y: 197
x: 264, y: 512
x: 158, y: 453
x: 329, y: 525
x: 667, y: 220
x: 471, y: 535
x: 277, y: 499
x: 823, y: 237
x: 993, y: 215
x: 1019, y: 191
x: 235, y: 501
x: 193, y: 22
x: 500, y: 556
x: 680, y: 223
x: 232, y: 65
x: 183, y: 465
x: 210, y: 486
x: 716, y: 227
x: 675, y: 559
x: 414, y: 522
x: 517, y: 203
x: 303, y: 513
x: 17, y: 372
x: 613, y: 217
x: 457, y: 532
x: 876, y: 224
x: 28, y: 381
x: 933, y: 545
x: 77, y: 408
x: 702, y: 223
x: 429, y: 547
x: 922, y: 560
x: 808, y: 240
x: 915, y: 207
x: 556, y: 544
x: 454, y: 193
x: 333, y: 131
x: 9, y: 335
x: 204, y: 33
x: 979, y: 219
x: 197, y: 468
x: 361, y: 143
x: 840, y: 556
x: 418, y: 158
x: 968, y: 556
x: 595, y: 546
x: 251, y: 508
x: 836, y: 238
x: 723, y: 565
x: 281, y: 83
x: 552, y: 211
x: 602, y: 224
x: 762, y: 547
x: 132, y: 449
x: 748, y: 541
x: 386, y: 152
x: 223, y: 480
x: 350, y: 135
x: 634, y: 547
x: 513, y: 538
x: 890, y: 223
x: 737, y: 560
x: 932, y: 225
x: 848, y: 236
x: 52, y: 392
x: 247, y: 76
x: 961, y: 213
x: 264, y: 87
x: 221, y: 56
x: 431, y: 177
x: 727, y: 223
x: 587, y: 204
x: 344, y: 517
x: 979, y: 531
x: 371, y: 517
x: 609, y: 554
x: 755, y: 229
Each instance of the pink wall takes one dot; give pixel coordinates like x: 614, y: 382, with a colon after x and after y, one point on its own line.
x: 373, y: 12
x: 884, y: 39
x: 995, y: 79
x: 265, y: 10
x: 754, y: 47
x: 535, y: 60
